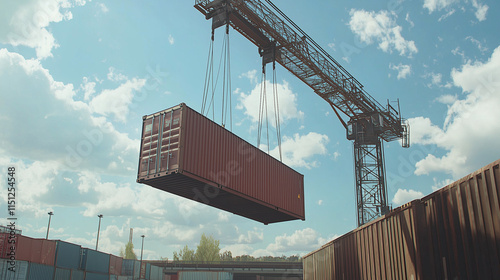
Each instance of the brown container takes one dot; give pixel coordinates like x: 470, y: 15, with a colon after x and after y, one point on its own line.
x: 115, y: 265
x: 453, y: 233
x: 34, y: 250
x: 198, y: 159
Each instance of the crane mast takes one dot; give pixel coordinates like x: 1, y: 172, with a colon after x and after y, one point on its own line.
x: 368, y: 122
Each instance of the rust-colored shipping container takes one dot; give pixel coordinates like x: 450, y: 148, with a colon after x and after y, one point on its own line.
x: 453, y: 233
x: 115, y: 265
x: 35, y: 250
x: 185, y: 153
x: 6, y: 243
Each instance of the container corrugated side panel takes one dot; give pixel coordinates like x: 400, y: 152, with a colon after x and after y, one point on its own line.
x: 115, y: 265
x: 128, y: 267
x: 48, y: 254
x: 122, y: 277
x: 96, y: 276
x: 77, y: 274
x: 113, y: 277
x: 20, y: 273
x: 204, y: 275
x: 5, y: 245
x: 464, y: 218
x: 24, y: 248
x: 95, y: 261
x: 202, y: 161
x: 137, y: 268
x: 67, y: 255
x: 156, y: 273
x: 40, y: 272
x: 62, y: 274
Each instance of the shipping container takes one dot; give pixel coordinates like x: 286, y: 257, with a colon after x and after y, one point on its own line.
x: 115, y: 265
x: 453, y: 233
x: 156, y: 273
x: 35, y: 250
x: 40, y: 272
x: 124, y: 278
x: 204, y: 275
x: 94, y: 261
x: 6, y: 242
x: 96, y: 276
x: 130, y: 268
x: 113, y: 277
x: 67, y: 255
x: 185, y: 153
x: 77, y: 274
x: 62, y: 274
x: 170, y: 277
x: 17, y: 270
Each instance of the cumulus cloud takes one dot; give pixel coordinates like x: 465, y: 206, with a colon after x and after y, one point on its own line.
x: 251, y: 236
x: 298, y: 150
x: 403, y: 70
x: 250, y: 103
x: 65, y: 130
x: 304, y: 240
x: 471, y: 129
x: 403, y: 196
x: 26, y: 23
x: 380, y: 27
x: 438, y: 5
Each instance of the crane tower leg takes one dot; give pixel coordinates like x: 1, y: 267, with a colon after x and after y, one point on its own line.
x: 371, y: 193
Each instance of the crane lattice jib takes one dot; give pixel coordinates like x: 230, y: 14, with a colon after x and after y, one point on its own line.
x: 304, y: 58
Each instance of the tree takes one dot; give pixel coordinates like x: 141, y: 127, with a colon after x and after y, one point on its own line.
x: 208, y: 250
x: 129, y: 252
x: 226, y: 256
x: 185, y: 254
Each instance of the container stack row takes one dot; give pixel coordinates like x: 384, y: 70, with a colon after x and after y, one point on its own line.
x: 42, y: 259
x: 453, y: 233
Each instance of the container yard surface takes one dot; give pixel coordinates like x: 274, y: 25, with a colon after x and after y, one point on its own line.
x: 453, y: 233
x: 185, y: 153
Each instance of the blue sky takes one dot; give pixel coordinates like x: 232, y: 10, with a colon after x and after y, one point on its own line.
x: 77, y: 76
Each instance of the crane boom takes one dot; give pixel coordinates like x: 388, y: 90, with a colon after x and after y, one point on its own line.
x: 280, y: 39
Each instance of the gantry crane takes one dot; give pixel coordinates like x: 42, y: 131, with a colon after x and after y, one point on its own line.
x: 368, y: 122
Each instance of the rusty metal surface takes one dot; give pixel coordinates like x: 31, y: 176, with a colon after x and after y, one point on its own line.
x: 453, y: 233
x: 200, y: 160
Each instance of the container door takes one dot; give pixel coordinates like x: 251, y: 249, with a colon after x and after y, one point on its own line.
x: 149, y: 146
x: 169, y: 142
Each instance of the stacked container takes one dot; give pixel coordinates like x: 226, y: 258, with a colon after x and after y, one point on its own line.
x: 453, y: 233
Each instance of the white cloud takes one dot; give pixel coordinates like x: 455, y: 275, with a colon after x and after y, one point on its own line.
x: 412, y: 24
x: 103, y: 7
x: 115, y: 77
x: 88, y: 88
x: 438, y: 5
x: 26, y: 23
x: 171, y: 39
x: 117, y: 101
x: 403, y: 196
x: 403, y: 70
x: 65, y: 129
x: 251, y: 75
x: 439, y: 184
x: 299, y: 149
x: 238, y: 249
x: 252, y: 236
x: 447, y: 99
x: 476, y: 42
x: 447, y: 15
x: 301, y: 240
x: 471, y: 129
x: 320, y: 202
x: 433, y: 5
x: 332, y: 46
x: 286, y: 98
x: 382, y: 28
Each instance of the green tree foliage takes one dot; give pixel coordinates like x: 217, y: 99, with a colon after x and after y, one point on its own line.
x: 208, y: 250
x: 129, y: 252
x: 185, y: 254
x: 226, y: 256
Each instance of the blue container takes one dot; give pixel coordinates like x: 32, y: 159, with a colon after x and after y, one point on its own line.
x: 156, y: 273
x: 204, y: 275
x: 148, y: 271
x: 62, y: 274
x: 96, y: 276
x: 40, y: 272
x: 67, y: 255
x: 137, y: 269
x: 128, y: 267
x: 21, y: 270
x: 113, y: 277
x: 94, y: 261
x: 77, y: 274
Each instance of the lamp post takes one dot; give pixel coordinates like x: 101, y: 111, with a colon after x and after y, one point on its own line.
x: 142, y: 247
x: 48, y: 227
x: 98, y: 229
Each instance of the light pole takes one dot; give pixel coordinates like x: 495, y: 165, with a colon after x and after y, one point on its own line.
x: 98, y: 229
x: 48, y: 227
x: 142, y: 247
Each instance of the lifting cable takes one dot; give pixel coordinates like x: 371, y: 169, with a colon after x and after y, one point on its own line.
x: 211, y: 81
x: 263, y: 115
